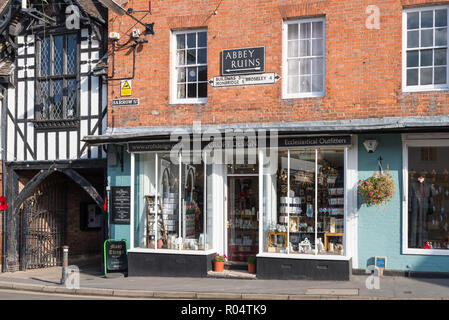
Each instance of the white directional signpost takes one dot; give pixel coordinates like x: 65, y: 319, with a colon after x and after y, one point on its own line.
x: 244, y: 80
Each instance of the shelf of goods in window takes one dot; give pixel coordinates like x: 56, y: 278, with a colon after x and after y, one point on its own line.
x: 170, y: 211
x: 191, y: 212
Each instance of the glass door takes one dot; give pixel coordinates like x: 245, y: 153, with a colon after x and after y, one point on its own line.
x: 243, y: 213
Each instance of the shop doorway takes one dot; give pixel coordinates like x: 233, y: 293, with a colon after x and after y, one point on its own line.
x: 242, y: 218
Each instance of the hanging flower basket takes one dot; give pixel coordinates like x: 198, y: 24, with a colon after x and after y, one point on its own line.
x: 377, y: 190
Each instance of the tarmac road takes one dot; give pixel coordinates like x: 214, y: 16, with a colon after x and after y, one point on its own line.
x: 29, y: 295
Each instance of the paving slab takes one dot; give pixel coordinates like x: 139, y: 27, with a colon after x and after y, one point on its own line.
x: 332, y: 292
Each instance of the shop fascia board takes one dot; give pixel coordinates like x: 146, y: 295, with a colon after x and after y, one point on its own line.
x: 117, y: 135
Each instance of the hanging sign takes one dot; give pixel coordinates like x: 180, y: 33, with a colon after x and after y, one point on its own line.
x: 120, y: 205
x: 125, y: 88
x: 243, y: 61
x: 3, y: 204
x: 115, y: 255
x: 244, y: 80
x: 125, y: 102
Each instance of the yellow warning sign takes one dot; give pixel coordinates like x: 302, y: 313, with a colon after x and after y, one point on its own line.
x: 125, y: 88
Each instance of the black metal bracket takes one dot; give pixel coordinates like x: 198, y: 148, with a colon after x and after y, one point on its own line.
x: 149, y: 27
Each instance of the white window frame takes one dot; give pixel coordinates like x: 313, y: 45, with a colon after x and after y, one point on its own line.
x: 173, y: 74
x: 285, y: 94
x: 410, y: 142
x: 421, y: 88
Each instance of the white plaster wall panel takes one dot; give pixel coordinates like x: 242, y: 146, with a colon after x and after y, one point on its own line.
x: 51, y: 145
x: 83, y: 133
x: 30, y: 139
x: 30, y: 62
x: 10, y: 141
x: 62, y: 145
x: 84, y: 102
x: 11, y: 101
x: 95, y: 88
x: 94, y: 55
x: 30, y: 39
x: 40, y: 146
x: 73, y: 144
x: 84, y: 33
x: 21, y: 50
x: 30, y: 100
x: 104, y: 101
x: 21, y: 100
x: 20, y: 143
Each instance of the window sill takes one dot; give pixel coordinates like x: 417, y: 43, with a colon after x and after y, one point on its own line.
x: 301, y: 256
x: 172, y: 251
x: 421, y: 90
x: 187, y: 101
x: 44, y: 125
x: 426, y: 252
x: 302, y: 96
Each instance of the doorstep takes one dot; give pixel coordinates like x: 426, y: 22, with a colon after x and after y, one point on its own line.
x: 232, y: 274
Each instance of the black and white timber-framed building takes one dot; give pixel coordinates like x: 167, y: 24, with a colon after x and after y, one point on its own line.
x: 53, y: 96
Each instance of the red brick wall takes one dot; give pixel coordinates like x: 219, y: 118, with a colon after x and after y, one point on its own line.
x: 363, y: 67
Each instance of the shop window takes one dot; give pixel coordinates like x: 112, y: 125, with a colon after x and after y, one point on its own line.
x: 425, y: 49
x: 169, y: 195
x: 189, y: 73
x: 304, y: 58
x: 304, y: 202
x: 428, y: 199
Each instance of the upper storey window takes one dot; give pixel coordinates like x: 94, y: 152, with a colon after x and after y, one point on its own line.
x: 189, y: 66
x: 425, y: 47
x: 56, y: 81
x: 304, y: 58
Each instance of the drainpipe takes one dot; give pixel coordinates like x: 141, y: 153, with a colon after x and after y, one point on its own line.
x: 4, y: 98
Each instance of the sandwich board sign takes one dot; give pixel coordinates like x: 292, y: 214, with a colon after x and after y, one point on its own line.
x: 115, y: 255
x: 125, y: 88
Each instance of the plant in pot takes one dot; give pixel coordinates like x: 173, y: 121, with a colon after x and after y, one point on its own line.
x: 377, y: 190
x: 252, y: 263
x: 219, y: 262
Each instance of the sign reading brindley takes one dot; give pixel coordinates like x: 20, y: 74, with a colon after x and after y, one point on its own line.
x: 243, y: 61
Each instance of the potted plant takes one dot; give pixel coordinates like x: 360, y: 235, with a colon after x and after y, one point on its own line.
x: 219, y: 262
x: 252, y: 263
x: 377, y: 189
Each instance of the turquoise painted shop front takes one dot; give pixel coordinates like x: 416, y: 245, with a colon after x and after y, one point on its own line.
x: 117, y: 177
x: 380, y: 228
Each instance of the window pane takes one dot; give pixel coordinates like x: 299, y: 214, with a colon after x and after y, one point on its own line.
x: 441, y: 37
x: 181, y: 74
x: 293, y: 84
x: 305, y: 30
x: 412, y: 39
x: 413, y: 20
x: 426, y: 76
x: 44, y: 99
x: 57, y: 107
x: 412, y: 58
x: 202, y: 73
x: 441, y: 18
x: 305, y: 85
x: 202, y: 56
x: 427, y: 197
x: 292, y: 31
x: 426, y: 57
x: 293, y: 67
x: 191, y: 40
x: 58, y: 52
x: 317, y: 83
x: 412, y: 77
x: 191, y: 56
x: 440, y: 57
x: 317, y: 29
x: 202, y: 39
x: 317, y: 47
x: 427, y: 38
x: 305, y: 66
x: 71, y: 99
x: 440, y: 75
x: 293, y: 49
x: 181, y: 41
x: 317, y: 65
x: 330, y: 221
x: 304, y: 48
x: 192, y: 76
x: 45, y: 56
x: 191, y: 90
x: 181, y: 92
x: 71, y: 54
x: 202, y: 90
x: 181, y: 57
x: 426, y: 19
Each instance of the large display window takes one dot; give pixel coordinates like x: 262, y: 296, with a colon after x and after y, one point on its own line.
x: 170, y: 209
x: 303, y: 201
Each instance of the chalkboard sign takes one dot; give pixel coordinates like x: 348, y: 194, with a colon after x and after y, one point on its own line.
x: 115, y: 255
x: 120, y: 205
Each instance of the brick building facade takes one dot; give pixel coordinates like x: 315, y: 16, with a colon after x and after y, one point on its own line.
x: 363, y: 88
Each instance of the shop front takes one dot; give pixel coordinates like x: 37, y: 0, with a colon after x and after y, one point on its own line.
x: 291, y: 204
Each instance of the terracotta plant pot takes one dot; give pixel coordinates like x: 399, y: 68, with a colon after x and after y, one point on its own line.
x: 219, y: 266
x: 251, y: 267
x: 160, y: 244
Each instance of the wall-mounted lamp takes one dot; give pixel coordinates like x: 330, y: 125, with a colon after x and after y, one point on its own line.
x: 371, y: 145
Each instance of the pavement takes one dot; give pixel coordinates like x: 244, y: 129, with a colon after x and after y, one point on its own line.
x: 229, y: 285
